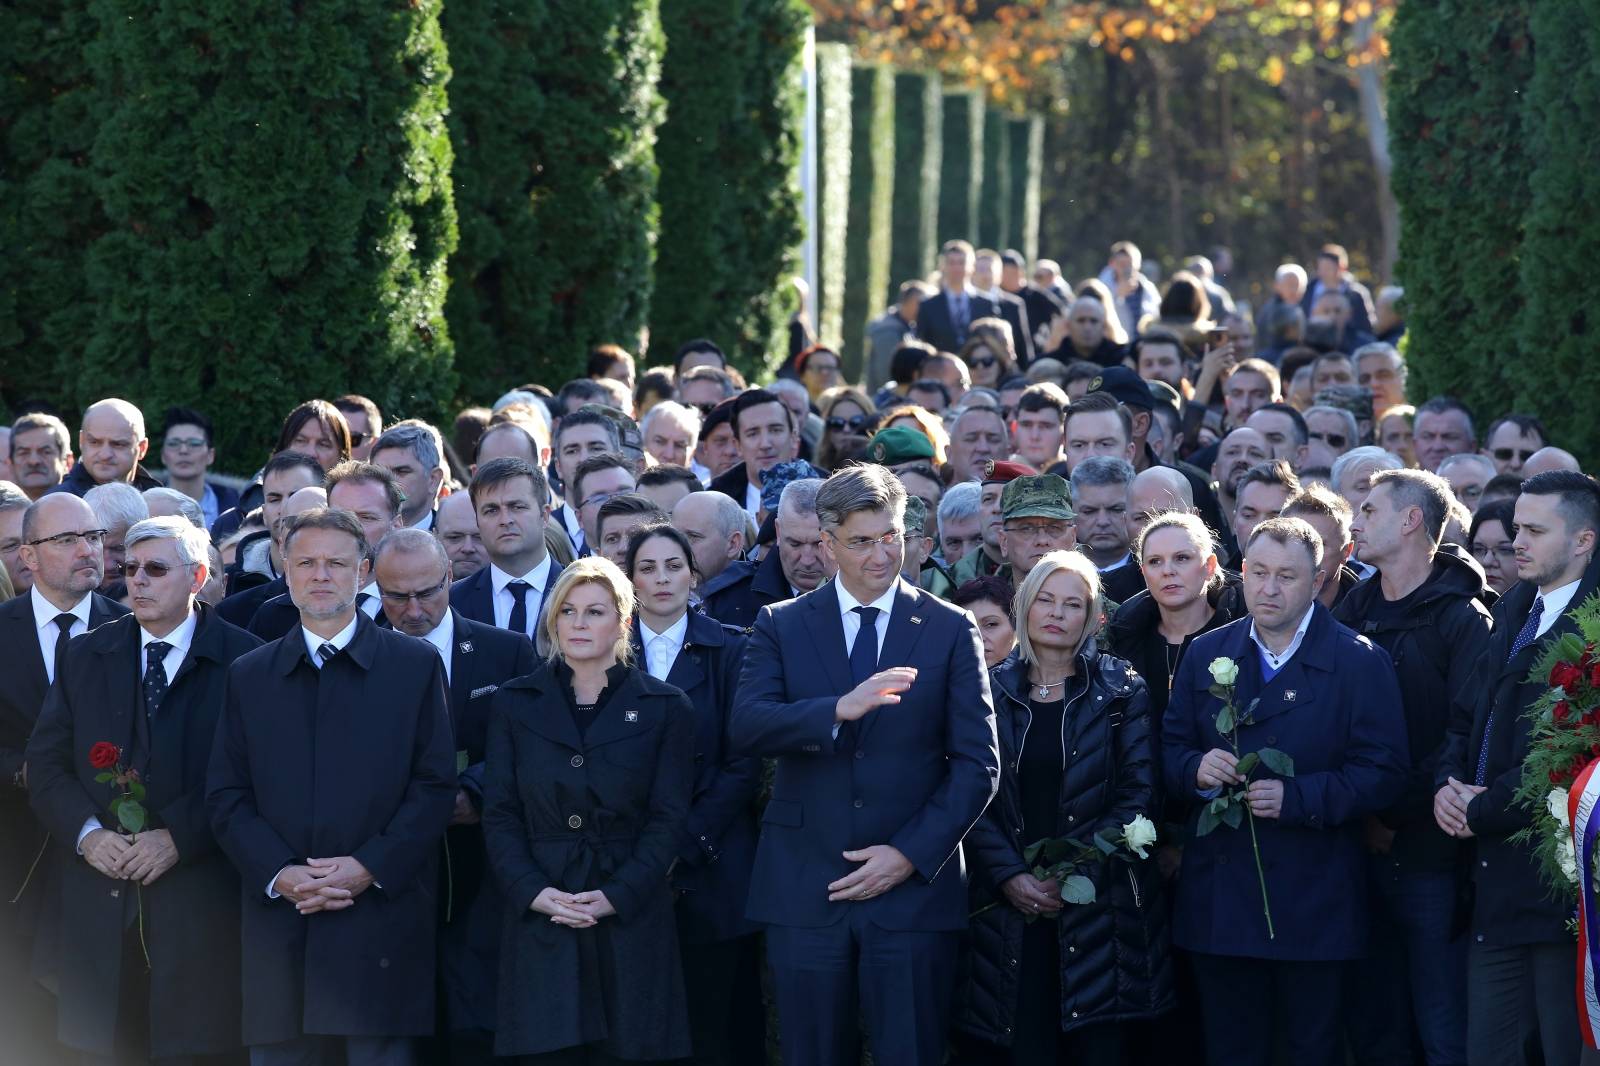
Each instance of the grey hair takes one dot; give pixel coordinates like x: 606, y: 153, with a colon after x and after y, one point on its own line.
x: 859, y: 488
x: 799, y: 496
x: 730, y: 517
x: 117, y: 504
x: 1352, y: 431
x: 531, y: 399
x: 1376, y: 348
x: 50, y: 423
x: 1100, y: 470
x: 12, y: 498
x: 1429, y: 493
x: 1287, y: 270
x: 960, y: 502
x: 1480, y: 459
x: 1051, y: 564
x: 193, y: 544
x: 419, y: 438
x: 789, y: 387
x: 410, y: 541
x: 128, y: 411
x: 188, y: 508
x: 686, y: 417
x: 1367, y: 453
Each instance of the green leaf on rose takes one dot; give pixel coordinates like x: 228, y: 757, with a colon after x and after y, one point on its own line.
x: 1247, y: 762
x: 1030, y: 854
x: 136, y: 790
x: 1219, y: 692
x: 103, y: 778
x: 1208, y: 821
x: 1233, y: 817
x: 1278, y: 762
x: 1225, y: 719
x: 131, y: 817
x: 1077, y: 889
x: 1107, y: 847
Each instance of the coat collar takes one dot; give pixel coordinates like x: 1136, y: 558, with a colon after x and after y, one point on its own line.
x: 362, y: 649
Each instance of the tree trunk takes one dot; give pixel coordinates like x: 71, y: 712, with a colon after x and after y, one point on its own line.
x: 1374, y: 115
x: 1160, y: 67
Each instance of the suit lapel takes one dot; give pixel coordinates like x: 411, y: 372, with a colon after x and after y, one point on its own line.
x: 25, y: 638
x: 463, y: 657
x: 906, y: 622
x: 614, y: 721
x: 827, y: 633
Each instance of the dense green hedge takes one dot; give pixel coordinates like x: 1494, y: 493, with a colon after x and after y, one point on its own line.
x: 730, y: 162
x: 49, y: 211
x: 918, y: 132
x: 994, y: 211
x: 1561, y: 240
x: 1026, y: 139
x: 276, y: 189
x: 833, y: 188
x: 553, y: 111
x: 871, y: 209
x: 961, y: 168
x: 1461, y: 164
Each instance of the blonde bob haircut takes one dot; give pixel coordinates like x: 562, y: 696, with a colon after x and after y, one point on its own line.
x: 1054, y: 562
x: 591, y: 570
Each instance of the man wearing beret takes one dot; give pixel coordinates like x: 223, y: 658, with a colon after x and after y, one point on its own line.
x: 987, y: 558
x: 899, y: 445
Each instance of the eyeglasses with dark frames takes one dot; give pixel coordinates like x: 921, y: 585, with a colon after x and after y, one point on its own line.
x: 94, y: 538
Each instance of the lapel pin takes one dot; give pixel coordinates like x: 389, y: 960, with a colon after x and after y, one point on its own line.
x: 465, y: 647
x: 631, y: 716
x: 916, y: 620
x: 1289, y: 695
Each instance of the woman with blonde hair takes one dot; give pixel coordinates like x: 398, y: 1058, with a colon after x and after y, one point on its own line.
x: 1076, y: 760
x: 586, y: 800
x: 925, y: 422
x: 846, y: 414
x: 990, y: 352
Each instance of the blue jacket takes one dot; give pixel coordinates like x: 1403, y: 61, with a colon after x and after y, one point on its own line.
x: 917, y: 778
x: 1335, y: 709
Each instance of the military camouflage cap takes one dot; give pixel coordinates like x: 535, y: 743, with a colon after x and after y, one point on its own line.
x: 916, y: 516
x: 1038, y: 496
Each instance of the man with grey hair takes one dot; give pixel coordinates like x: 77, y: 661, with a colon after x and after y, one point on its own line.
x: 413, y: 574
x: 1441, y: 428
x: 960, y: 524
x: 111, y: 441
x: 1334, y: 427
x: 413, y: 452
x: 165, y: 502
x: 13, y: 502
x: 154, y: 886
x: 1102, y: 487
x: 1468, y: 474
x: 1352, y: 471
x: 872, y: 697
x: 40, y: 453
x: 792, y: 567
x: 117, y: 505
x: 1381, y: 368
x: 715, y: 525
x: 670, y: 432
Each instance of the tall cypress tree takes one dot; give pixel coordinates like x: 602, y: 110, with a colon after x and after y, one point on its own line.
x: 276, y: 189
x: 994, y: 211
x: 918, y: 134
x: 866, y: 270
x: 553, y: 113
x: 961, y: 187
x: 1461, y: 166
x: 833, y: 187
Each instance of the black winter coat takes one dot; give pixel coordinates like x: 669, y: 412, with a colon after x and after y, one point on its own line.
x: 1133, y: 634
x: 606, y: 810
x: 1115, y: 961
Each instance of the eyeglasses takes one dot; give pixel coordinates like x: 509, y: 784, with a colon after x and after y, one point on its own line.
x: 186, y: 444
x: 400, y: 599
x: 599, y: 498
x: 1034, y: 530
x: 1332, y: 440
x: 93, y: 537
x: 1506, y: 551
x: 154, y: 569
x: 854, y: 422
x: 863, y: 545
x: 822, y: 368
x: 1505, y: 455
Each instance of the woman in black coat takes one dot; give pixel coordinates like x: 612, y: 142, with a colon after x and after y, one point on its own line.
x: 586, y: 795
x: 1050, y: 981
x: 716, y: 851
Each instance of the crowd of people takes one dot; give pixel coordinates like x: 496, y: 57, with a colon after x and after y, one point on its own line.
x: 1113, y: 676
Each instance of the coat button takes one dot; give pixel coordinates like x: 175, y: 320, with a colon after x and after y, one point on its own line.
x: 1074, y: 1014
x: 1480, y: 938
x: 859, y: 803
x: 577, y: 760
x: 1272, y: 740
x: 383, y: 964
x: 1013, y: 962
x: 1484, y: 863
x: 1072, y: 949
x: 1070, y: 818
x: 574, y: 822
x: 860, y: 754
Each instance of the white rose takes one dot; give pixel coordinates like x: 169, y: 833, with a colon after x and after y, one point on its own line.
x: 1224, y: 671
x: 1139, y: 834
x: 1556, y: 802
x: 1567, y: 856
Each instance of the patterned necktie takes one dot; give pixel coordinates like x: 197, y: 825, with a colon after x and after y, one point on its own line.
x: 519, y: 608
x: 863, y: 664
x: 326, y: 652
x: 960, y: 315
x: 1525, y: 636
x: 155, y: 676
x: 64, y: 623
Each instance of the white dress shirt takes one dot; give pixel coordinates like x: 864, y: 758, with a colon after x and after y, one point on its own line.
x: 425, y: 523
x: 700, y: 471
x: 1277, y: 660
x: 1554, y: 603
x: 852, y: 622
x: 752, y: 495
x: 661, y: 649
x: 504, y: 600
x: 339, y: 640
x: 44, y: 616
x: 1118, y: 565
x: 374, y: 600
x: 443, y: 639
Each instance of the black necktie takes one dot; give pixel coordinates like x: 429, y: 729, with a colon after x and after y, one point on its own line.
x: 155, y: 676
x: 863, y: 664
x: 326, y: 652
x: 64, y: 622
x: 519, y: 609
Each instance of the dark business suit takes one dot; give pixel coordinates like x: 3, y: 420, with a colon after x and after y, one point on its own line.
x: 1335, y: 709
x: 732, y: 483
x: 712, y: 875
x: 279, y: 616
x: 191, y: 913
x: 937, y: 325
x: 241, y: 607
x: 354, y: 759
x: 482, y: 658
x: 914, y: 775
x: 473, y: 597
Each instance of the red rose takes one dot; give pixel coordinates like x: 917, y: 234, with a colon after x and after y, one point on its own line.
x: 1594, y: 675
x: 1560, y: 711
x: 104, y: 755
x: 1566, y: 676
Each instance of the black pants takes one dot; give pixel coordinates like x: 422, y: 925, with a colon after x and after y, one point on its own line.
x: 1254, y: 1006
x: 337, y: 1051
x: 711, y: 973
x: 1519, y: 997
x: 582, y: 1055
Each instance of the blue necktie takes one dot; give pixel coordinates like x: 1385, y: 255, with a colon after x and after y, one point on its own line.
x: 518, y: 622
x: 155, y: 676
x: 1525, y: 636
x: 863, y: 664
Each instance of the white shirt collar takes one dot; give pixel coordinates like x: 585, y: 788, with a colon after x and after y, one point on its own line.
x: 752, y: 494
x: 538, y: 577
x: 1555, y: 603
x: 674, y: 635
x: 425, y: 523
x: 180, y: 640
x: 1274, y: 659
x: 848, y: 603
x: 339, y: 640
x: 44, y: 612
x: 443, y: 640
x: 1119, y: 564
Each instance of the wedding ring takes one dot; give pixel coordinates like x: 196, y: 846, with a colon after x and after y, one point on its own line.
x: 1035, y: 906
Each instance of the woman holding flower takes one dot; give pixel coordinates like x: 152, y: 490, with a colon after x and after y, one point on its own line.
x: 1049, y: 980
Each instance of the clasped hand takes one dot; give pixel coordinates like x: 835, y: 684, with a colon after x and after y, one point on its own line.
x: 324, y: 884
x: 575, y: 910
x: 143, y: 859
x: 1450, y: 807
x: 1219, y: 769
x: 882, y: 867
x: 882, y: 687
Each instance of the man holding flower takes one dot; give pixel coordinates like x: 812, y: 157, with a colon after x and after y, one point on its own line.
x: 1284, y: 731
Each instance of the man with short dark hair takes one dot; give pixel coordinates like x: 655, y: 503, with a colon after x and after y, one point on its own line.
x: 1517, y: 938
x: 697, y: 353
x: 1101, y: 494
x: 1424, y: 608
x: 666, y: 485
x: 1012, y: 310
x: 111, y: 442
x: 1260, y: 495
x: 858, y: 875
x: 1044, y: 305
x: 579, y: 436
x: 41, y: 453
x: 1333, y: 275
x: 1040, y: 425
x: 512, y: 501
x: 1512, y: 440
x: 1285, y: 431
x: 364, y: 420
x: 283, y: 476
x: 599, y: 478
x: 187, y: 451
x: 616, y: 520
x: 767, y: 435
x: 944, y: 319
x: 413, y: 452
x: 331, y: 783
x: 1329, y: 515
x: 1097, y: 425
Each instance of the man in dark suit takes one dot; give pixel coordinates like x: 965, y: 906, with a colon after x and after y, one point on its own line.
x: 414, y: 582
x: 943, y: 320
x: 766, y: 434
x: 1518, y: 936
x: 884, y: 762
x: 1014, y: 308
x: 282, y: 477
x: 512, y: 499
x: 1328, y: 700
x: 150, y: 684
x: 331, y: 784
x: 61, y: 547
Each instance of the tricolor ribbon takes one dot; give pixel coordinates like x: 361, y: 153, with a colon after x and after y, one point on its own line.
x: 1583, y: 799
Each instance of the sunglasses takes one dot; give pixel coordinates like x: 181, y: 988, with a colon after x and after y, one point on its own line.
x: 979, y: 362
x: 1505, y: 455
x: 1332, y: 440
x: 154, y: 569
x: 854, y: 422
x: 357, y: 439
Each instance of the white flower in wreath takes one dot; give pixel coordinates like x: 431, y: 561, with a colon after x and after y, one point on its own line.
x: 1224, y: 671
x: 1556, y: 803
x: 1567, y: 856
